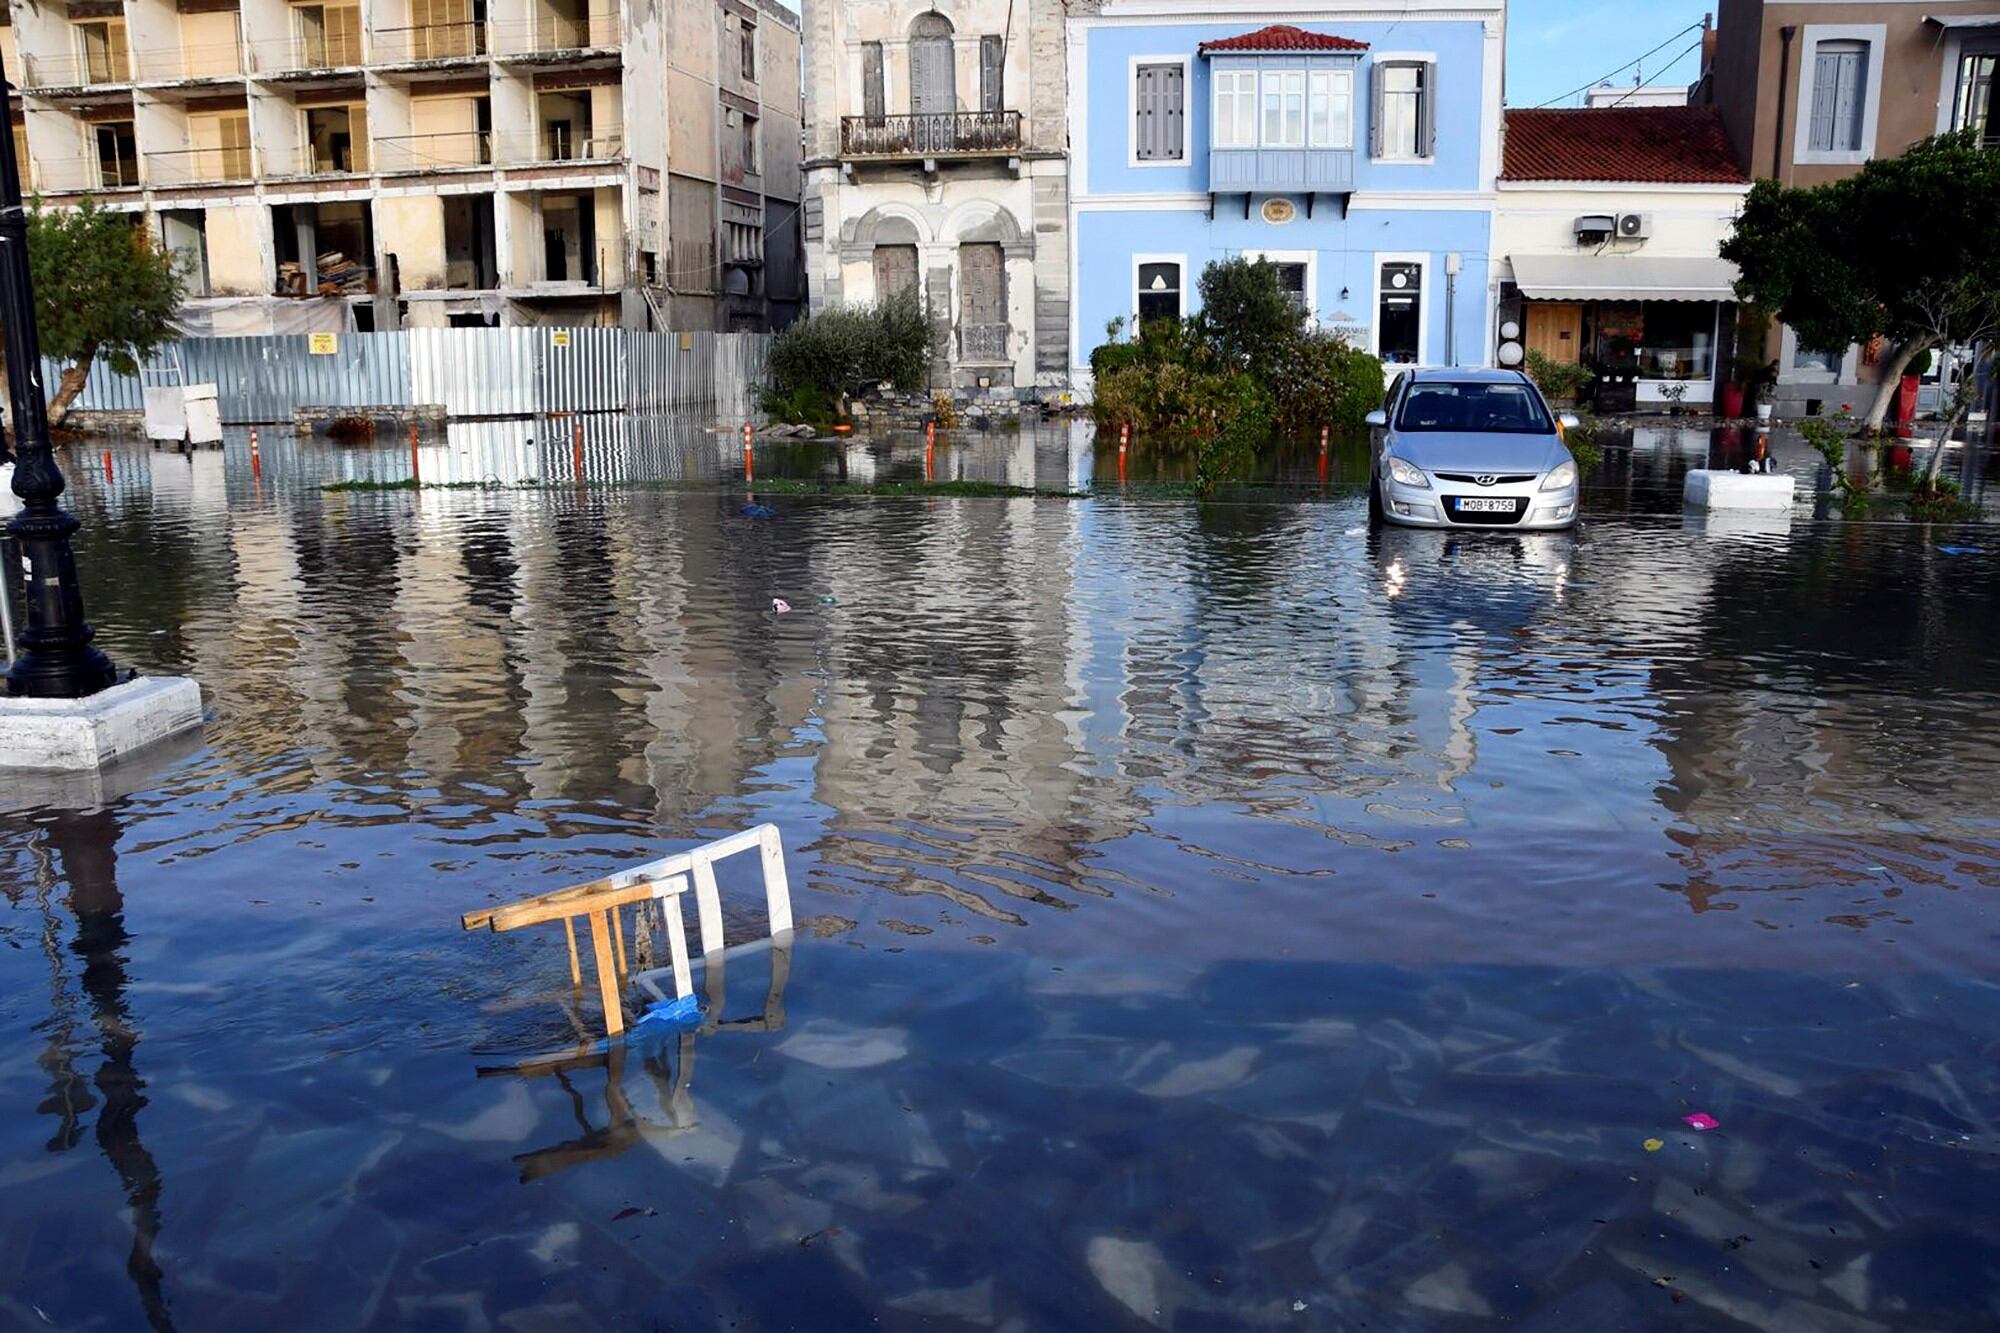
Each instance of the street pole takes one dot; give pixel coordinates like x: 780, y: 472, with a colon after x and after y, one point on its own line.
x: 56, y: 661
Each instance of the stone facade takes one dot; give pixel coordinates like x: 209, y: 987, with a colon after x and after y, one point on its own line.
x: 935, y: 159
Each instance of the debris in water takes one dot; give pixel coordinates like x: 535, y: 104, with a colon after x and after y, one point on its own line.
x: 780, y: 605
x: 1702, y: 1120
x: 1654, y: 1145
x: 828, y: 599
x: 1962, y: 550
x: 758, y: 511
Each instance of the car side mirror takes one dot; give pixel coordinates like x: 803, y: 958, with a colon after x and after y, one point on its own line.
x: 1377, y: 418
x: 1568, y: 420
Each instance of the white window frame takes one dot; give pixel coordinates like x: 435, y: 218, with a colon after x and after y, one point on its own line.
x: 1132, y: 158
x: 1791, y: 373
x: 1981, y: 41
x: 1876, y: 37
x: 1215, y: 105
x: 1139, y: 260
x: 1344, y: 133
x: 1408, y: 58
x: 1265, y: 80
x: 1310, y: 258
x: 1423, y: 262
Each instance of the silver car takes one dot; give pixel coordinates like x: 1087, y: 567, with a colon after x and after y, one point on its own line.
x: 1471, y: 448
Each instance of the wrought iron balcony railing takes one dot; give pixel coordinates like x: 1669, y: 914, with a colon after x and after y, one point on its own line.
x: 931, y: 134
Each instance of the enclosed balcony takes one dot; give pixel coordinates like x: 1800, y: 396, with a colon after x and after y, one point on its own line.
x: 930, y: 135
x: 1283, y: 114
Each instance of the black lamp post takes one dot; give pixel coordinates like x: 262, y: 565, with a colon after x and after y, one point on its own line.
x: 57, y: 661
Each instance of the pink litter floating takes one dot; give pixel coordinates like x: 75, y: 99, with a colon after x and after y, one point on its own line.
x: 1702, y: 1120
x: 780, y: 605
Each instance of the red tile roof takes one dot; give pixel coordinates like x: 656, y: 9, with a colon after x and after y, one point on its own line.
x: 1661, y: 145
x: 1283, y: 37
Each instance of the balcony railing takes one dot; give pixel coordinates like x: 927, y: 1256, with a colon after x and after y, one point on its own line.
x: 309, y: 160
x: 65, y: 175
x: 338, y: 47
x: 434, y: 152
x: 931, y: 134
x: 526, y: 149
x: 202, y: 60
x: 198, y: 166
x: 432, y: 41
x: 85, y: 71
x: 546, y: 33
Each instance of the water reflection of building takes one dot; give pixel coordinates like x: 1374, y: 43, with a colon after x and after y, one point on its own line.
x: 88, y: 1009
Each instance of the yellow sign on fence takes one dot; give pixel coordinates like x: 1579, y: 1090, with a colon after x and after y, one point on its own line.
x: 559, y: 338
x: 323, y: 344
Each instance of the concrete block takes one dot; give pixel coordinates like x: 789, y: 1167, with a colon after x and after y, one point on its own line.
x: 1708, y: 488
x: 76, y: 734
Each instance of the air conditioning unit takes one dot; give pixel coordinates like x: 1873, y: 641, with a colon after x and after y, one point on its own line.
x: 1635, y: 226
x: 1595, y: 228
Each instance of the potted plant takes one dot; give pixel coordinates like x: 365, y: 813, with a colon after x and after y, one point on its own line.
x: 1756, y: 376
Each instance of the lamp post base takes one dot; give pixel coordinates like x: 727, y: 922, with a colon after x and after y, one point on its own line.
x: 89, y: 733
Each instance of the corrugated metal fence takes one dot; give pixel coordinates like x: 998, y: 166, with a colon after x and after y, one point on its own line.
x: 510, y: 372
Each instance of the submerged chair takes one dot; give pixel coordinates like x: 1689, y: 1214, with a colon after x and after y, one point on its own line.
x: 665, y: 881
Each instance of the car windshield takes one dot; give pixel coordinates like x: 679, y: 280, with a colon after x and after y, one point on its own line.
x: 1506, y: 409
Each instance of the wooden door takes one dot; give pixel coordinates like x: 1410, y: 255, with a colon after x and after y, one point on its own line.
x: 895, y: 270
x: 982, y: 303
x: 1555, y: 329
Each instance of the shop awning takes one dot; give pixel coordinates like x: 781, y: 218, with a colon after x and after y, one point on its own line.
x: 1964, y: 20
x: 1623, y: 278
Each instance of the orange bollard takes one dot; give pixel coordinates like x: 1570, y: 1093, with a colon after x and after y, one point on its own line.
x: 414, y: 470
x: 107, y: 465
x: 256, y: 458
x: 576, y: 450
x: 930, y: 462
x: 1324, y: 432
x: 1124, y: 435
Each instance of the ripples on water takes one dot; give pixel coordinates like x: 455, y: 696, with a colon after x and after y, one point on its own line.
x: 1211, y: 909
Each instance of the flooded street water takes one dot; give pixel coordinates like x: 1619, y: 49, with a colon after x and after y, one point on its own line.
x: 1211, y: 916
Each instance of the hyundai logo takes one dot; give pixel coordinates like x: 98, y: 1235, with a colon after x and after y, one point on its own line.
x: 1486, y: 479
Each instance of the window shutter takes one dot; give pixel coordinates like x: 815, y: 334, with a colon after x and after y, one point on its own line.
x: 1826, y: 85
x: 1427, y: 109
x: 1173, y: 109
x: 1144, y: 113
x: 872, y: 100
x: 1375, y: 91
x: 989, y: 72
x: 1848, y: 105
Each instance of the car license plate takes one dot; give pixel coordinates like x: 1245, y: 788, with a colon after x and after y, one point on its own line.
x: 1476, y: 504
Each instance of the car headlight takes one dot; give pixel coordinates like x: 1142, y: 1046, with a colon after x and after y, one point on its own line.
x: 1561, y: 479
x: 1407, y: 474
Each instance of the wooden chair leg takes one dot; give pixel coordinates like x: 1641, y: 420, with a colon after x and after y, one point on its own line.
x: 618, y: 936
x: 607, y: 977
x: 575, y: 965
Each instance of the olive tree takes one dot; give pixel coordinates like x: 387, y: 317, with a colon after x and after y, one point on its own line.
x: 104, y: 290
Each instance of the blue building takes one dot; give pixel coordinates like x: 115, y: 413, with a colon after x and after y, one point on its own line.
x: 1358, y: 154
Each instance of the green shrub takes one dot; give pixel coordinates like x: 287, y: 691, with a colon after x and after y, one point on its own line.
x: 1940, y: 500
x: 851, y: 349
x: 1245, y: 315
x: 1559, y: 381
x: 1320, y: 379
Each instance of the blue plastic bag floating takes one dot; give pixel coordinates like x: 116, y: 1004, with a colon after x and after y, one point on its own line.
x: 1963, y: 550
x: 667, y: 1016
x: 758, y: 511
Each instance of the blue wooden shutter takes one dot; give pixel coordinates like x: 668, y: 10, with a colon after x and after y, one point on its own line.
x: 1427, y: 96
x: 1826, y: 82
